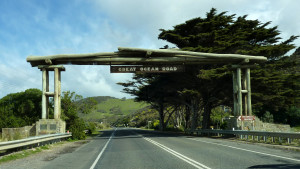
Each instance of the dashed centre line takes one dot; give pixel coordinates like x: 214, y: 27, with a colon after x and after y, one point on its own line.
x: 180, y: 156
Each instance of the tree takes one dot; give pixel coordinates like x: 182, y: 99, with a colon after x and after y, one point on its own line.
x: 70, y: 108
x: 277, y: 86
x: 221, y: 33
x: 20, y: 109
x: 159, y: 94
x: 87, y: 105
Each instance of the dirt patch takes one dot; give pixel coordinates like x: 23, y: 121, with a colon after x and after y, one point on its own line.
x: 40, y: 159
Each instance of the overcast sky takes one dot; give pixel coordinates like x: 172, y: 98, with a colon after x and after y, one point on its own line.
x: 48, y: 27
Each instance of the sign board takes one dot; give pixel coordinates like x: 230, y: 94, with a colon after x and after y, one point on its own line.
x: 147, y: 69
x: 246, y: 118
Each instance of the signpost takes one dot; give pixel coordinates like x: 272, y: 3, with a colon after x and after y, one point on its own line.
x: 246, y: 118
x: 147, y: 69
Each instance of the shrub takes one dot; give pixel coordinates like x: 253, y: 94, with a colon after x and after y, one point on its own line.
x: 156, y: 125
x: 91, y: 127
x: 77, y: 128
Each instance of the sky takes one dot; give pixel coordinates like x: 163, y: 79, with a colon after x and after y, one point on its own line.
x: 50, y: 27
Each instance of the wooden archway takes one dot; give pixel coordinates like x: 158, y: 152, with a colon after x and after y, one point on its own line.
x: 137, y: 56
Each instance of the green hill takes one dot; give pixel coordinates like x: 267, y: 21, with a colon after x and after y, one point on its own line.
x: 109, y: 109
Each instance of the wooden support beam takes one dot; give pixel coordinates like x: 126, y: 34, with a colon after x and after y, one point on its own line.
x: 56, y: 83
x: 244, y: 83
x: 249, y: 92
x: 47, y: 98
x: 234, y: 84
x: 59, y: 94
x: 44, y: 98
x: 51, y: 67
x: 243, y: 66
x: 50, y: 94
x: 239, y: 92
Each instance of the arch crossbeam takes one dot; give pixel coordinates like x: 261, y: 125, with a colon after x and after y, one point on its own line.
x: 138, y: 56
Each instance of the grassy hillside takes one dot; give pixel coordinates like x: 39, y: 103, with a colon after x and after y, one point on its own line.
x: 109, y: 109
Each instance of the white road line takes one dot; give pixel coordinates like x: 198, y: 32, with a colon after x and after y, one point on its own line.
x: 103, y: 149
x: 180, y: 156
x: 287, y: 158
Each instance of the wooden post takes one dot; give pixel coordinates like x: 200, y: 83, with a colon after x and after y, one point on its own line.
x: 249, y: 92
x: 245, y: 95
x: 234, y: 80
x: 44, y: 97
x: 56, y: 88
x: 59, y: 94
x: 47, y: 97
x: 239, y: 92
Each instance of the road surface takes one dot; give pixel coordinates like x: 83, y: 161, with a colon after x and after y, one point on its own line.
x: 125, y: 148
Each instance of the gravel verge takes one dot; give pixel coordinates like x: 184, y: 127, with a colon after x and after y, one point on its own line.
x: 41, y: 159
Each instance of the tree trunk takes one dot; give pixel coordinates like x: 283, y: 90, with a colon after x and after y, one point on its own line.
x: 206, y: 116
x: 194, y: 118
x: 161, y: 117
x: 187, y: 117
x: 195, y: 112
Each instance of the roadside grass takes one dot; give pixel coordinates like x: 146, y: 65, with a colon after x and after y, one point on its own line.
x: 22, y: 154
x: 25, y: 153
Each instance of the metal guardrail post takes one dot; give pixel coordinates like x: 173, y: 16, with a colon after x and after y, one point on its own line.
x: 289, y: 140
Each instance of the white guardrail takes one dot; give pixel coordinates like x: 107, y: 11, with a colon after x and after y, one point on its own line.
x: 258, y: 135
x: 33, y: 141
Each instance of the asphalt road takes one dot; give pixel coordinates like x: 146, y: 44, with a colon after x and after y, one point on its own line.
x: 125, y: 148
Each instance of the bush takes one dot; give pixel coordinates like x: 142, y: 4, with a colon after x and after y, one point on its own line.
x: 224, y: 125
x: 156, y: 125
x: 91, y: 127
x: 77, y: 128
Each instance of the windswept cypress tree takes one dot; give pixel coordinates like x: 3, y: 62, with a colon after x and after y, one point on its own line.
x: 222, y: 33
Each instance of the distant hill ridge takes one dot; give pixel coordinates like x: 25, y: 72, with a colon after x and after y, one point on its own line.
x: 110, y: 109
x: 100, y: 99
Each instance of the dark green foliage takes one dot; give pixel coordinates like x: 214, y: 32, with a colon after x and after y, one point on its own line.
x: 276, y: 88
x: 87, y: 105
x: 221, y: 33
x: 275, y: 85
x: 268, y: 117
x: 77, y: 128
x: 70, y: 108
x: 20, y: 109
x: 91, y: 127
